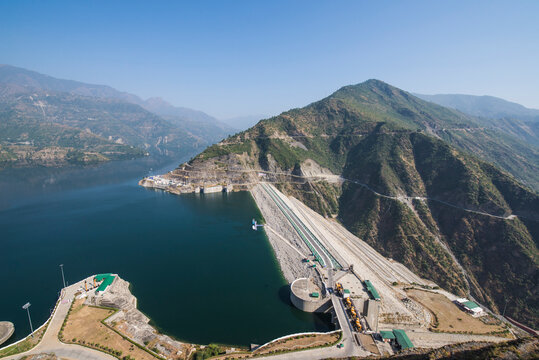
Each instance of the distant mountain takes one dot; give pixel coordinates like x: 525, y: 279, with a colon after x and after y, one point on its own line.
x: 196, y: 122
x: 51, y: 122
x: 417, y: 186
x: 244, y: 122
x: 206, y: 128
x: 22, y: 80
x: 507, y: 117
x: 52, y: 128
x: 483, y: 106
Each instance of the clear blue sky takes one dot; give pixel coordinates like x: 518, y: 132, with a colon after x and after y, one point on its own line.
x: 232, y: 58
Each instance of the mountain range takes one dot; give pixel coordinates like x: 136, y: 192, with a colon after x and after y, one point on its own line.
x: 49, y: 121
x: 483, y: 106
x: 441, y: 191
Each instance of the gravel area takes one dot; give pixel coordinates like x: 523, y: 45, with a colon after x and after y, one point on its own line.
x: 427, y: 339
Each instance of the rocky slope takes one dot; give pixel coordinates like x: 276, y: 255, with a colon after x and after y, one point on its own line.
x: 49, y: 121
x: 376, y: 158
x: 526, y: 348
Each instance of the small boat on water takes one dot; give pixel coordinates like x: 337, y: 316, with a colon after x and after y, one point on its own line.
x: 255, y: 225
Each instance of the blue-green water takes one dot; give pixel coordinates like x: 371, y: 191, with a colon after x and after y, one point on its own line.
x: 199, y: 271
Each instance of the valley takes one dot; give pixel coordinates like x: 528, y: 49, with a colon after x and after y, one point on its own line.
x: 411, y: 196
x: 337, y: 180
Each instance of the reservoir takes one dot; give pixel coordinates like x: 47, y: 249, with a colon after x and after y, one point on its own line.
x: 197, y: 268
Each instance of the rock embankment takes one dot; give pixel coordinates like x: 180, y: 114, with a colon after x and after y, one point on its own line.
x: 288, y: 247
x: 132, y: 322
x: 6, y: 330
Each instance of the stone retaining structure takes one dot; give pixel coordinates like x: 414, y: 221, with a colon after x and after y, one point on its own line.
x: 6, y: 330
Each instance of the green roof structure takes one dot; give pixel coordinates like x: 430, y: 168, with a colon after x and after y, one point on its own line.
x: 402, y: 339
x: 372, y: 290
x: 107, y: 280
x: 470, y: 304
x: 101, y: 277
x: 387, y: 334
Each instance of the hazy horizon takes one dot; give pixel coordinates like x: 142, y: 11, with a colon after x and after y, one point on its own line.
x: 200, y: 55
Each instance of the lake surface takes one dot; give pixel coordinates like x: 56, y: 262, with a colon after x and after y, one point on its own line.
x: 197, y: 268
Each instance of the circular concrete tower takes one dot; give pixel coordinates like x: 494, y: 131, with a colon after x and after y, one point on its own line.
x: 307, y: 296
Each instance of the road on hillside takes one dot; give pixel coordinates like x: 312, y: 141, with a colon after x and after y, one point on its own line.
x: 51, y: 345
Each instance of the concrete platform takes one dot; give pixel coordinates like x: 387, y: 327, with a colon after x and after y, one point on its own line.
x: 352, y: 283
x: 6, y: 330
x: 300, y: 295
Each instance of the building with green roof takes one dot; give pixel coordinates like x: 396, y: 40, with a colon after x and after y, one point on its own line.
x: 470, y: 304
x: 470, y: 307
x: 387, y: 335
x: 106, y: 280
x: 402, y: 339
x: 372, y: 290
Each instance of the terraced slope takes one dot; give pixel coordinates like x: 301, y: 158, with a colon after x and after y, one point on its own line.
x: 410, y: 191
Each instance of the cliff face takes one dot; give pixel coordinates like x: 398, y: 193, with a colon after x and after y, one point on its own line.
x: 372, y: 156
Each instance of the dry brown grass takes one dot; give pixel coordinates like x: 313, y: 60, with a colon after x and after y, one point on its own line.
x: 291, y: 344
x: 297, y: 343
x: 450, y: 317
x: 84, y: 327
x: 25, y: 345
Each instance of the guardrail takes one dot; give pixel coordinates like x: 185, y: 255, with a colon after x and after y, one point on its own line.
x: 294, y: 335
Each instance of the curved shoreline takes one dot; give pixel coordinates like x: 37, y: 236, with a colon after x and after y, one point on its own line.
x: 6, y: 331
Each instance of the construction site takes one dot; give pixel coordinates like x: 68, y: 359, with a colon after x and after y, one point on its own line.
x: 380, y: 306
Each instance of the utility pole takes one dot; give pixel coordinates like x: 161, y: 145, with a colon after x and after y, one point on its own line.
x: 505, y: 307
x: 63, y: 278
x: 25, y: 307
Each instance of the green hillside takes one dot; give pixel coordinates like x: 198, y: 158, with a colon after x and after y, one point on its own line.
x: 45, y: 128
x: 26, y: 142
x: 443, y: 207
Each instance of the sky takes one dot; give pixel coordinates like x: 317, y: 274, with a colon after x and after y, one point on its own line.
x: 236, y: 58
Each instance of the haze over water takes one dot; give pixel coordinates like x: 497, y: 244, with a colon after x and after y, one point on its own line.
x: 198, y: 270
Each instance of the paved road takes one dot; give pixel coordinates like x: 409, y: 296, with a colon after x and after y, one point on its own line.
x: 50, y: 342
x: 410, y: 198
x: 351, y: 347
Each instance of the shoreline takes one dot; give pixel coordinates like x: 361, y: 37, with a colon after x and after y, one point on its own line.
x: 6, y: 331
x: 289, y: 254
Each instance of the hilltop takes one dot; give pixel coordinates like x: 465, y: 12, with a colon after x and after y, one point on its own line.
x: 419, y: 182
x: 49, y: 121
